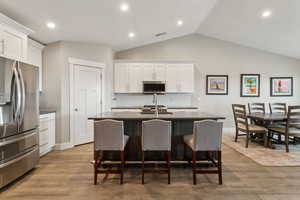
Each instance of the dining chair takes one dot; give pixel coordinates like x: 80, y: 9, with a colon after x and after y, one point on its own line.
x: 277, y: 108
x: 242, y: 125
x: 292, y: 127
x: 109, y: 136
x: 256, y: 108
x: 207, y: 137
x: 156, y: 136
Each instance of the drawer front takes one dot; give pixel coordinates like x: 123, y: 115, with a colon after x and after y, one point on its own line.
x: 12, y: 169
x: 44, y: 137
x: 44, y: 124
x: 44, y: 131
x: 15, y: 146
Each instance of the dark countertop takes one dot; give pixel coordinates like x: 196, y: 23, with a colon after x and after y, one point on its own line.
x: 169, y: 107
x: 44, y: 112
x: 181, y: 115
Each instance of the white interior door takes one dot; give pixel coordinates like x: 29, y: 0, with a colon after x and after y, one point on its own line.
x: 87, y: 101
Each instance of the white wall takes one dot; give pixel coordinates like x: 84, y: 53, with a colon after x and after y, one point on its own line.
x: 56, y: 79
x: 212, y: 56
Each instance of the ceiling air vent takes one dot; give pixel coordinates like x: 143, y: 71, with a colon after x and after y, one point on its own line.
x: 160, y: 34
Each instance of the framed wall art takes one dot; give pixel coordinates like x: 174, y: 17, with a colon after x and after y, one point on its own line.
x: 250, y: 85
x: 217, y: 85
x: 281, y: 86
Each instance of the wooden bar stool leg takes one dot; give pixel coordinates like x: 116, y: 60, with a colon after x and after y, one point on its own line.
x: 143, y: 167
x: 220, y: 167
x: 122, y: 166
x: 95, y: 173
x: 194, y: 168
x: 169, y: 166
x: 97, y: 163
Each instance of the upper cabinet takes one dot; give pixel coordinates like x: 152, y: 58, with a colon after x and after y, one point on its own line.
x: 135, y: 78
x: 129, y: 77
x: 13, y: 39
x: 35, y: 51
x: 13, y: 44
x: 180, y: 78
x: 154, y: 72
x: 121, y: 78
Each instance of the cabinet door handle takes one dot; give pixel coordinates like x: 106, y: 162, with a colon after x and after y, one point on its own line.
x: 2, y: 49
x: 179, y: 87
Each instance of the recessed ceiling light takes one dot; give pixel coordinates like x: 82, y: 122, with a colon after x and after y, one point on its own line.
x: 266, y: 14
x: 124, y: 7
x: 179, y: 23
x: 131, y: 34
x: 51, y: 25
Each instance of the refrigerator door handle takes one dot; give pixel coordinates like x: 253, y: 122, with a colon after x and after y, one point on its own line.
x: 18, y: 93
x: 23, y: 94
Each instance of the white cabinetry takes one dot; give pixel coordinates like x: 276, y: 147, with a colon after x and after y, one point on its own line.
x: 135, y: 78
x: 13, y: 44
x: 129, y: 77
x: 154, y: 72
x: 180, y: 78
x: 35, y: 51
x: 121, y: 78
x: 47, y: 133
x: 13, y: 39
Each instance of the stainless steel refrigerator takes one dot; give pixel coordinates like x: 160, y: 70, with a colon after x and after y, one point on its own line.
x: 19, y: 102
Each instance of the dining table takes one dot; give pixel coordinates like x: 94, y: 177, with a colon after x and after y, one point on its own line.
x: 267, y: 119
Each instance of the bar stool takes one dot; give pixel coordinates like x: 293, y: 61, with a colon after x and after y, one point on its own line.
x: 109, y: 136
x: 156, y: 136
x: 207, y: 137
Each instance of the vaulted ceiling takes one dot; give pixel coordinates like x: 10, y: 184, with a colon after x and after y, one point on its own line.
x: 101, y: 21
x: 240, y: 21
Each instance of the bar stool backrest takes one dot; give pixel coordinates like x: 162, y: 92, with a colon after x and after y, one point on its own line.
x: 208, y: 135
x: 156, y: 135
x: 109, y: 135
x: 256, y: 108
x: 278, y: 108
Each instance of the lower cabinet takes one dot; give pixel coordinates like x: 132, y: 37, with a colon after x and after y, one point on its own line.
x: 47, y: 133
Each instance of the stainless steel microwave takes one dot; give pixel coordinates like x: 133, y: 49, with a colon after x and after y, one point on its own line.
x: 151, y: 87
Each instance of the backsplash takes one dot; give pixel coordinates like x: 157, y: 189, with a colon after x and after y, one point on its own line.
x: 140, y: 99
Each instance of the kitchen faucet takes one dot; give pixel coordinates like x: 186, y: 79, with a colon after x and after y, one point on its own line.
x: 155, y: 102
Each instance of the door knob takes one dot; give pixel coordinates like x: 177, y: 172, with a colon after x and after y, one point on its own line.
x: 76, y: 109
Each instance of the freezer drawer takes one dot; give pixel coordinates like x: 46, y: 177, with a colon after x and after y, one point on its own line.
x: 15, y: 168
x: 14, y: 146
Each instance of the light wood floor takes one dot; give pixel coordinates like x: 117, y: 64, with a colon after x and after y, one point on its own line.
x: 66, y: 175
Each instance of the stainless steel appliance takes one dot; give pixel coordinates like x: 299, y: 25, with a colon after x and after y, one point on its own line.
x: 19, y: 146
x: 151, y: 87
x: 155, y: 109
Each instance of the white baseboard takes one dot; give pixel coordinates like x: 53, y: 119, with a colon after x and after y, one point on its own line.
x: 229, y: 130
x: 63, y: 146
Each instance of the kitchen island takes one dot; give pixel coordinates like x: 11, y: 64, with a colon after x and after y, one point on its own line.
x: 182, y: 124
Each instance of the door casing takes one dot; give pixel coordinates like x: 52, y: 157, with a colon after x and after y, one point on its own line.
x: 72, y: 63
